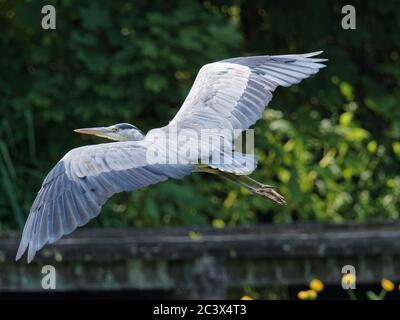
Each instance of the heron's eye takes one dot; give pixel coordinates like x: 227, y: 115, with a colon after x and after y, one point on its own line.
x: 115, y: 129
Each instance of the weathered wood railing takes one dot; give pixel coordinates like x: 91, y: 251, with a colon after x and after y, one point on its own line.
x: 203, y: 262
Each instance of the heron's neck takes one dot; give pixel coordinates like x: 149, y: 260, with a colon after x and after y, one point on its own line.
x: 133, y: 136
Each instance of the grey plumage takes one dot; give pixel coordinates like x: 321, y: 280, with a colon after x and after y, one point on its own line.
x: 230, y: 94
x: 77, y: 187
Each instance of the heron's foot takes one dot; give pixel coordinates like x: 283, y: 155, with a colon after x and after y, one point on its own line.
x: 254, y: 186
x: 268, y: 192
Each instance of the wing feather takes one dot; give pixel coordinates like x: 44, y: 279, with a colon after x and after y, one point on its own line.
x: 77, y: 187
x: 238, y: 89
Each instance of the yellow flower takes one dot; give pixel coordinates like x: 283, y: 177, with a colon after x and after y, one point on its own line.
x: 307, y: 295
x: 316, y: 285
x: 387, y: 285
x: 246, y: 298
x: 312, y: 295
x: 349, y: 279
x: 302, y: 295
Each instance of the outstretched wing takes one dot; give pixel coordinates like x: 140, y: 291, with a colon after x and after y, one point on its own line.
x: 233, y: 93
x: 76, y: 188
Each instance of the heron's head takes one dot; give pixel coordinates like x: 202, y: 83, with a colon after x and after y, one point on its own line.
x: 117, y: 132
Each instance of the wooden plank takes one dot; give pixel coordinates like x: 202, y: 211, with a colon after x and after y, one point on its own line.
x: 211, y: 262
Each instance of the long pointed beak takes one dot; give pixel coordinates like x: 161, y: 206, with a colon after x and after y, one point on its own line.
x: 97, y: 131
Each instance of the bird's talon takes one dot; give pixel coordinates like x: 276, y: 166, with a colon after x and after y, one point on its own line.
x: 269, y: 193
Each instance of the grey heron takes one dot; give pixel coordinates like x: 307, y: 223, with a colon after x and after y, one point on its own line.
x: 230, y: 94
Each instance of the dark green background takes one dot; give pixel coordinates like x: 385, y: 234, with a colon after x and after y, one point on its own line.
x: 331, y: 144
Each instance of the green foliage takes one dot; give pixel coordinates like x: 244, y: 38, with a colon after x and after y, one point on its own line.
x: 332, y: 143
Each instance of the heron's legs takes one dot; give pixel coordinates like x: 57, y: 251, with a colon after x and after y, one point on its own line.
x: 254, y: 186
x: 234, y: 178
x: 226, y: 175
x: 257, y: 183
x: 263, y: 190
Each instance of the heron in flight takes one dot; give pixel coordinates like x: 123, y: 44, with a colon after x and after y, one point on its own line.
x: 230, y: 94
